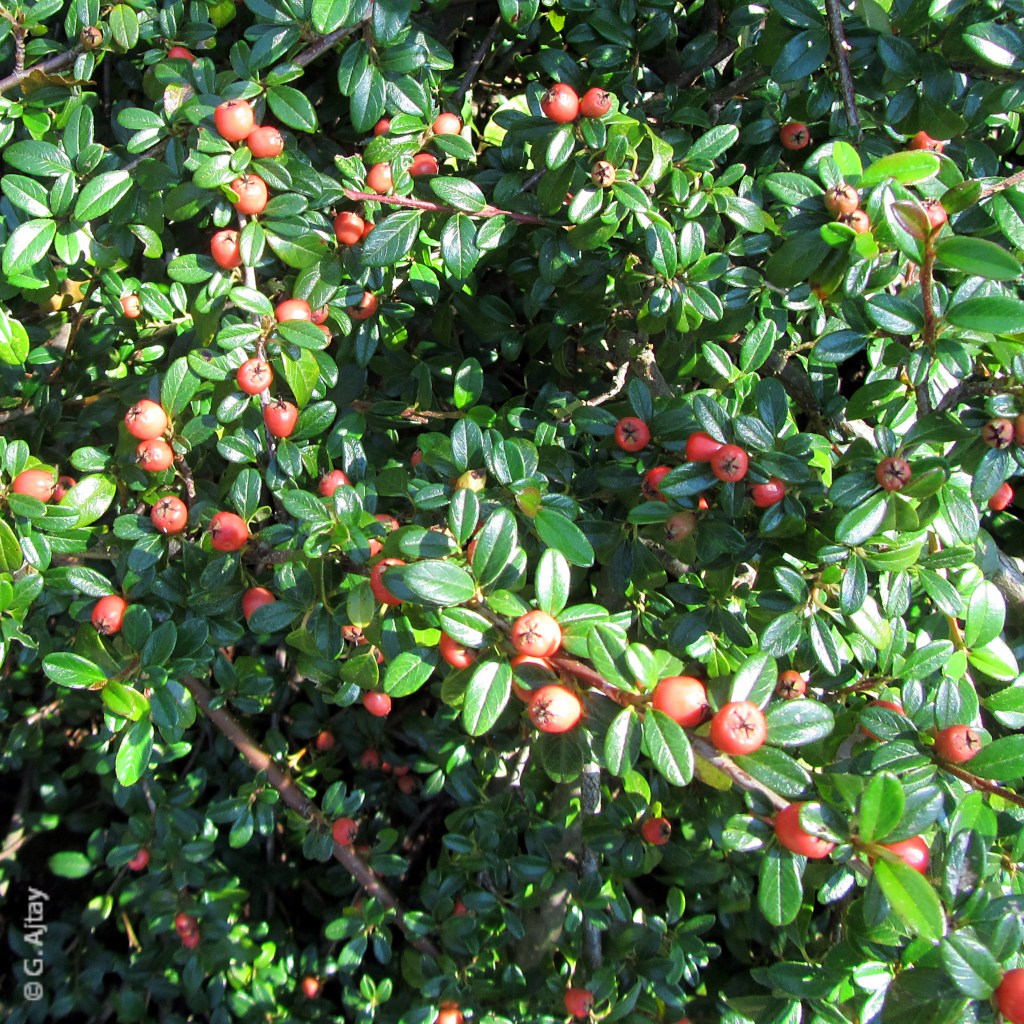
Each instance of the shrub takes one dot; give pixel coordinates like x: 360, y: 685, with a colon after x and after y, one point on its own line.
x: 612, y: 344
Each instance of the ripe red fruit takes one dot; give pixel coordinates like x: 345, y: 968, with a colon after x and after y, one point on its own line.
x: 1010, y: 996
x: 892, y: 474
x: 228, y: 532
x: 794, y: 135
x: 649, y: 484
x: 252, y: 194
x: 560, y: 103
x: 768, y: 494
x: 365, y: 308
x: 791, y: 685
x: 656, y: 831
x: 913, y: 852
x: 729, y: 463
x: 140, y: 860
x: 293, y: 309
x: 344, y: 831
x: 254, y: 376
x: 858, y: 220
x: 595, y: 102
x: 882, y: 704
x: 957, y: 743
x: 169, y: 514
x: 330, y: 482
x: 255, y: 597
x: 683, y: 698
x: 379, y: 178
x: 370, y: 759
x: 1002, y: 498
x: 280, y: 417
x: 998, y: 434
x: 146, y: 420
x: 311, y: 987
x: 447, y: 124
x: 423, y: 163
x: 319, y: 316
x: 379, y: 590
x: 457, y: 655
x: 132, y: 306
x: 922, y: 140
x: 521, y: 692
x: 224, y: 249
x: 184, y: 924
x: 409, y: 784
x: 631, y: 434
x: 108, y: 614
x: 234, y: 120
x: 182, y: 53
x: 700, y: 447
x: 63, y: 485
x: 348, y: 227
x: 553, y: 708
x: 382, y: 126
x: 377, y: 703
x: 536, y: 633
x: 841, y: 199
x: 680, y: 526
x: 154, y: 456
x: 34, y: 483
x: 739, y: 728
x: 367, y: 228
x: 460, y: 909
x: 579, y: 1001
x: 191, y: 940
x: 325, y: 740
x: 937, y: 215
x: 265, y: 143
x: 792, y: 835
x: 449, y: 1013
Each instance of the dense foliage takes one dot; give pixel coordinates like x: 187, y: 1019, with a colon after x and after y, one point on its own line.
x: 692, y: 409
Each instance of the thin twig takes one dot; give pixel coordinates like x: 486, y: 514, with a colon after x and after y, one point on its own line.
x: 310, y: 55
x: 423, y: 204
x: 1013, y: 179
x: 618, y: 382
x: 153, y: 153
x: 57, y: 62
x: 840, y: 47
x: 474, y: 65
x: 77, y: 323
x: 704, y: 750
x: 985, y: 785
x: 19, y: 49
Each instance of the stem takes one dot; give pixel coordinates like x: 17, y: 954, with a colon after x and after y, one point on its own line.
x: 324, y: 43
x: 76, y: 325
x: 727, y: 766
x: 261, y: 761
x: 985, y: 785
x: 423, y: 204
x: 57, y: 62
x: 474, y: 66
x: 840, y: 47
x: 19, y: 49
x: 927, y: 299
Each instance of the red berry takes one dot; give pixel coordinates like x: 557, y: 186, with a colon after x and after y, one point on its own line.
x: 649, y: 484
x: 228, y: 532
x: 63, y: 485
x: 841, y: 200
x: 383, y: 126
x: 595, y: 102
x: 169, y: 515
x: 768, y: 494
x: 181, y: 53
x: 729, y: 463
x: 560, y: 103
x: 700, y: 447
x: 913, y: 852
x: 108, y: 614
x: 998, y: 434
x: 140, y: 860
x: 957, y: 743
x: 683, y: 698
x: 34, y: 483
x: 234, y: 120
x: 380, y: 591
x: 791, y: 685
x: 191, y: 940
x: 348, y: 227
x: 656, y: 831
x: 632, y: 434
x: 132, y: 306
x: 457, y: 655
x: 224, y: 249
x: 255, y: 597
x: 579, y: 1001
x: 739, y: 728
x: 423, y: 163
x: 892, y: 474
x: 319, y: 316
x: 883, y: 704
x: 365, y: 308
x: 447, y: 124
x: 311, y: 987
x: 536, y: 633
x: 280, y: 417
x: 379, y: 178
x: 146, y: 420
x: 184, y: 924
x: 344, y: 831
x: 922, y: 140
x: 154, y: 456
x: 265, y: 143
x: 293, y: 309
x: 377, y: 703
x: 325, y: 741
x: 680, y: 526
x: 792, y: 835
x: 330, y: 482
x: 554, y: 708
x: 254, y: 376
x: 449, y: 1013
x: 1010, y: 996
x: 937, y: 215
x: 794, y: 135
x: 252, y: 194
x: 370, y: 759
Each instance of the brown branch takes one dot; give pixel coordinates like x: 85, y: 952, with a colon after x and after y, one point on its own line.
x: 261, y: 761
x: 153, y: 153
x: 474, y: 64
x: 839, y: 48
x: 423, y: 204
x: 19, y: 49
x: 618, y: 383
x: 57, y: 62
x: 723, y: 51
x: 1013, y: 179
x: 323, y: 44
x: 670, y: 564
x: 985, y: 785
x: 76, y: 324
x: 707, y: 752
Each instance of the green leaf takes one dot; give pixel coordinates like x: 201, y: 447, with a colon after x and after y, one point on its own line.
x: 102, y: 194
x: 391, y: 239
x: 409, y: 671
x: 178, y: 387
x: 302, y: 375
x: 11, y: 557
x: 713, y: 143
x: 881, y: 807
x: 565, y: 536
x: 73, y: 671
x: 906, y: 167
x: 124, y: 26
x: 133, y: 754
x: 70, y: 864
x: 668, y: 747
x: 458, y: 246
x: 780, y: 886
x: 793, y: 723
x: 329, y: 15
x: 1002, y: 760
x: 459, y: 192
x: 980, y: 257
x: 486, y: 697
x: 28, y: 245
x: 91, y: 496
x: 622, y: 742
x: 292, y: 107
x: 992, y: 314
x: 755, y: 679
x: 986, y: 614
x: 552, y: 582
x: 862, y: 521
x: 973, y: 968
x: 913, y: 899
x: 434, y: 582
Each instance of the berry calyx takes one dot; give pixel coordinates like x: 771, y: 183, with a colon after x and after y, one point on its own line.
x: 560, y: 103
x: 768, y: 494
x: 893, y: 474
x: 729, y: 463
x: 234, y: 120
x: 595, y: 102
x: 380, y: 591
x: 344, y: 831
x: 554, y: 708
x: 603, y: 174
x: 154, y: 456
x: 536, y: 633
x: 998, y: 434
x: 680, y: 526
x: 791, y: 685
x: 255, y: 597
x: 265, y: 143
x: 62, y: 486
x: 957, y: 743
x: 858, y: 220
x: 632, y: 434
x: 794, y: 135
x: 922, y: 140
x: 841, y: 199
x: 228, y: 532
x: 34, y: 483
x: 739, y: 728
x: 169, y: 515
x: 795, y: 838
x: 656, y: 831
x: 649, y: 484
x: 146, y: 420
x: 108, y: 614
x: 1002, y: 498
x: 579, y: 1001
x: 700, y: 447
x: 377, y: 703
x: 254, y: 376
x: 683, y: 698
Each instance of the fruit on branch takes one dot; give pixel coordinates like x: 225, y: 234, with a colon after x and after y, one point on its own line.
x: 422, y: 164
x: 108, y: 614
x: 998, y: 434
x: 311, y: 987
x: 265, y: 143
x: 455, y: 654
x: 554, y: 708
x: 447, y: 124
x: 252, y: 194
x: 169, y: 514
x: 62, y: 486
x: 841, y: 199
x: 859, y: 221
x: 1010, y: 996
x: 739, y: 728
x: 380, y: 591
x: 768, y: 494
x: 132, y: 306
x: 560, y: 103
x: 893, y: 473
x: 891, y: 705
x: 791, y: 685
x: 651, y: 479
x: 34, y: 483
x: 595, y: 102
x: 255, y: 597
x: 191, y: 940
x: 280, y: 417
x: 700, y: 447
x: 146, y: 420
x: 90, y: 37
x: 603, y: 174
x: 449, y: 1013
x: 936, y: 212
x: 228, y: 532
x: 656, y: 831
x: 154, y: 456
x: 474, y: 480
x: 364, y: 308
x: 181, y: 53
x: 254, y: 376
x: 579, y: 1001
x: 536, y: 633
x: 369, y: 759
x: 225, y: 250
x: 794, y: 135
x: 140, y: 860
x: 729, y: 463
x: 325, y: 741
x: 922, y: 140
x: 377, y: 703
x: 344, y: 831
x: 957, y: 743
x: 292, y: 309
x: 383, y: 126
x: 679, y: 526
x: 331, y: 481
x: 379, y: 178
x: 632, y: 434
x: 1002, y: 498
x: 795, y: 838
x: 184, y: 924
x: 913, y: 852
x: 348, y: 227
x: 234, y: 120
x: 683, y: 698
